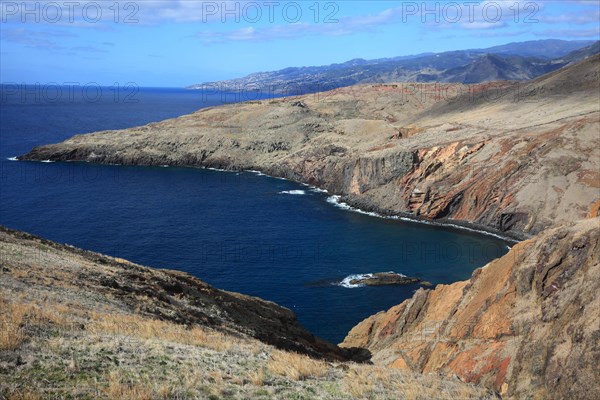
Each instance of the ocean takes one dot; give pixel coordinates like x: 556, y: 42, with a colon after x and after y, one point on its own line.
x: 244, y: 232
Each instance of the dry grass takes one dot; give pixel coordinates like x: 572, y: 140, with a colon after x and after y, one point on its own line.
x: 358, y: 383
x: 12, y: 334
x: 119, y: 389
x: 145, y: 328
x: 296, y: 366
x: 141, y: 375
x: 125, y: 383
x: 372, y: 382
x: 23, y: 395
x: 17, y: 315
x: 257, y: 377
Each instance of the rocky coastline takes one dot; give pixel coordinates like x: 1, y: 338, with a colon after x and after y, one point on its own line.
x: 525, y: 325
x: 449, y: 161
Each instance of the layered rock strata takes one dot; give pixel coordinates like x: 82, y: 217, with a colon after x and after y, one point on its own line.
x: 527, y: 324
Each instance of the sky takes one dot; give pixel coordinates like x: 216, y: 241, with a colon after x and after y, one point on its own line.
x: 176, y: 43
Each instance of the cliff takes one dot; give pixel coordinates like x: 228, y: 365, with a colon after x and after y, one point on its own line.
x: 77, y: 324
x: 527, y: 324
x: 519, y: 159
x: 510, y: 157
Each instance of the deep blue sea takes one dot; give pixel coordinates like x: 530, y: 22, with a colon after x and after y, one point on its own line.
x: 244, y: 232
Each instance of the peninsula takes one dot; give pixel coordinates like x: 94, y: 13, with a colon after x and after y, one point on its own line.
x: 521, y: 160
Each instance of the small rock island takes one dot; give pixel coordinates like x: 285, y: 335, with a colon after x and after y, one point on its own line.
x: 383, y: 278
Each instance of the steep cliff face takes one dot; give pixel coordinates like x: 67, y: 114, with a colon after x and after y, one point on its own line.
x: 515, y: 158
x: 527, y: 324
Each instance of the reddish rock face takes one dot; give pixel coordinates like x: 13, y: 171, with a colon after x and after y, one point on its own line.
x: 594, y: 210
x: 525, y: 324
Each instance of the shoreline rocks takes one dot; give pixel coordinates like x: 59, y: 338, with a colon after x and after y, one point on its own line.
x: 383, y: 279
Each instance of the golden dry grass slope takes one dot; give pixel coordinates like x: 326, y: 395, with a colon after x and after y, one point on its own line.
x: 64, y: 333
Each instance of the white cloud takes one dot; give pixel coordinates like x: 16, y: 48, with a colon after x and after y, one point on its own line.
x: 85, y: 12
x: 593, y: 33
x: 483, y: 16
x: 46, y: 39
x: 589, y: 17
x: 343, y: 26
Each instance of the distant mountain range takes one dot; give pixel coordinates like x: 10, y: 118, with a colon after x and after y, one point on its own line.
x: 513, y: 61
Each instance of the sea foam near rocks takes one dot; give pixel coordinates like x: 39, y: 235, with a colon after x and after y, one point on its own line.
x: 293, y: 192
x: 347, y: 281
x: 336, y: 201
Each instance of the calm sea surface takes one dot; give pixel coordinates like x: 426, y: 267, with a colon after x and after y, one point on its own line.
x: 238, y: 231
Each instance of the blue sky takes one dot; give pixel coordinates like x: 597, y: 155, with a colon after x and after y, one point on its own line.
x: 176, y: 43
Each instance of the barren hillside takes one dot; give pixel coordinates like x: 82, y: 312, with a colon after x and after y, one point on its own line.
x: 521, y: 159
x: 511, y: 157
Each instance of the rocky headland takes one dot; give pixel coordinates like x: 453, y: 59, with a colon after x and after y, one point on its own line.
x: 512, y: 158
x: 520, y: 160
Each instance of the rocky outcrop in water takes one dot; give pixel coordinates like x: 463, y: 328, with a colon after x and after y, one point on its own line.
x: 383, y: 279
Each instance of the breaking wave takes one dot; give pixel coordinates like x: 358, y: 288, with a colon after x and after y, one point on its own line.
x: 336, y: 201
x: 294, y: 192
